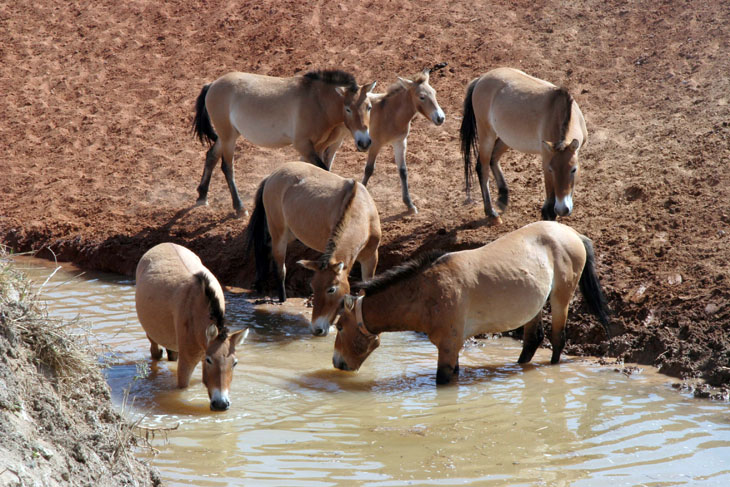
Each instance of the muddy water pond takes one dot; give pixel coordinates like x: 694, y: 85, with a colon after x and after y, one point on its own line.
x: 296, y: 421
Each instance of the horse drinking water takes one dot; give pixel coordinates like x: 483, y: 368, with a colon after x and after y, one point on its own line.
x: 492, y: 289
x: 390, y: 122
x: 181, y: 307
x: 327, y: 213
x: 312, y: 112
x: 507, y: 108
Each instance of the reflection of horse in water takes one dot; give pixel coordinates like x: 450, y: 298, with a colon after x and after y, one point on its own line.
x: 311, y: 112
x: 495, y: 288
x: 507, y: 108
x: 181, y: 308
x: 327, y: 213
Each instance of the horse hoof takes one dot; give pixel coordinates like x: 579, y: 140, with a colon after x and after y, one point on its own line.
x: 468, y: 201
x: 201, y: 202
x: 412, y: 210
x: 241, y: 213
x: 493, y: 221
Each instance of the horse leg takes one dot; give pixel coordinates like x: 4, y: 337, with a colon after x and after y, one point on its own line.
x: 448, y: 363
x: 399, y: 150
x: 185, y: 368
x: 559, y: 307
x: 227, y: 168
x: 309, y: 153
x: 531, y: 339
x: 485, y: 147
x: 279, y: 251
x: 370, y: 166
x: 330, y: 152
x: 211, y: 158
x: 499, y: 149
x: 548, y: 207
x: 155, y: 350
x: 368, y: 258
x: 171, y: 355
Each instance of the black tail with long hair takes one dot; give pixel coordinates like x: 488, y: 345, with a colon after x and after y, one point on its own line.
x: 590, y: 287
x: 202, y: 127
x: 257, y: 236
x: 468, y: 133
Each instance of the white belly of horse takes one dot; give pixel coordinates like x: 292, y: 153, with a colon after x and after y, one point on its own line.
x: 262, y: 128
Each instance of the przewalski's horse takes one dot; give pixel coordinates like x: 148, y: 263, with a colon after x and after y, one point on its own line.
x: 325, y: 212
x: 312, y: 112
x: 390, y: 122
x: 181, y: 307
x: 492, y: 289
x: 508, y: 108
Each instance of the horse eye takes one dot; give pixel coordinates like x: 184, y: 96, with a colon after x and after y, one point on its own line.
x: 332, y: 290
x: 208, y: 361
x: 370, y: 108
x: 348, y: 110
x: 574, y: 170
x: 235, y: 362
x: 422, y: 97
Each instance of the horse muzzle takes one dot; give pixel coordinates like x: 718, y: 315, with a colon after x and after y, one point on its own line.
x: 438, y: 117
x: 564, y: 206
x: 362, y: 141
x: 340, y: 363
x: 320, y: 327
x: 219, y: 402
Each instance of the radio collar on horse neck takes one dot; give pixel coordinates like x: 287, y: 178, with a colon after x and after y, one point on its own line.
x: 360, y: 322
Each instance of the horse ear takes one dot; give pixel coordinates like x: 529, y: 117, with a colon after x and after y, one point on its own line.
x: 337, y: 268
x: 210, y: 333
x: 405, y: 82
x: 239, y: 337
x: 574, y: 145
x: 426, y: 72
x: 369, y: 88
x: 349, y: 302
x: 548, y: 145
x: 309, y: 264
x: 341, y: 90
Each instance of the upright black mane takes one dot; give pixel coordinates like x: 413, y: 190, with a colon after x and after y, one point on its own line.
x: 562, y: 101
x: 216, y: 307
x: 399, y: 274
x: 324, y: 259
x: 334, y: 77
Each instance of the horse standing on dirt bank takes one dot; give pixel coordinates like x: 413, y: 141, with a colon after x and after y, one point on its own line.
x: 495, y: 288
x: 327, y: 213
x: 181, y: 307
x: 507, y: 108
x: 390, y: 122
x: 311, y: 112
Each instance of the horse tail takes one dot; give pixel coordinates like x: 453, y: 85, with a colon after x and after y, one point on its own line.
x: 258, y: 237
x: 590, y: 287
x: 202, y: 128
x: 468, y: 133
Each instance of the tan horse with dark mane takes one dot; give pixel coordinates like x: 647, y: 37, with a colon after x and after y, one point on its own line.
x: 390, y: 122
x: 312, y: 112
x: 181, y: 307
x: 492, y: 289
x: 327, y: 213
x: 507, y: 108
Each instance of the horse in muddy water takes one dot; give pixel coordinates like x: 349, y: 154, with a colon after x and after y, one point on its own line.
x: 492, y: 289
x: 181, y: 307
x: 327, y: 213
x: 390, y: 122
x: 506, y: 108
x: 312, y: 112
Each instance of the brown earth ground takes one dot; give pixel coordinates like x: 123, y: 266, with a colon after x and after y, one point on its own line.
x: 99, y: 163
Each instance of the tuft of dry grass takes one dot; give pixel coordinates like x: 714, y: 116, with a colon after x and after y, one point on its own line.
x: 56, y: 350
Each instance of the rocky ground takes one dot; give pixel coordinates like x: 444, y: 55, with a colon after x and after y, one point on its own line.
x: 99, y: 163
